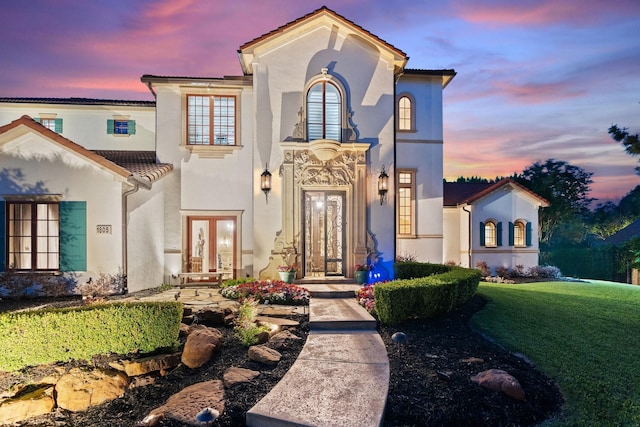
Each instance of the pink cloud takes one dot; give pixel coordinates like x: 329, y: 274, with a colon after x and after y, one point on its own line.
x: 539, y: 13
x: 537, y: 93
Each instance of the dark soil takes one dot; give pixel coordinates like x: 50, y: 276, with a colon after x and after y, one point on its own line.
x: 430, y: 377
x: 430, y: 384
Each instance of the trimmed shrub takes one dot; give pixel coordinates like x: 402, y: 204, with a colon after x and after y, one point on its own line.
x: 38, y: 337
x: 410, y: 270
x: 425, y: 297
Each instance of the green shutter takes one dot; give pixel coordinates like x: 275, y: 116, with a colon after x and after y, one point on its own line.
x: 511, y: 233
x: 131, y: 127
x: 58, y: 126
x: 111, y: 126
x: 73, y: 236
x: 482, y: 234
x: 528, y: 234
x: 499, y: 234
x: 37, y: 119
x: 3, y: 236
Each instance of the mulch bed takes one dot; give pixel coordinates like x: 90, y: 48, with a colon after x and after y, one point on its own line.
x: 429, y: 384
x: 430, y: 379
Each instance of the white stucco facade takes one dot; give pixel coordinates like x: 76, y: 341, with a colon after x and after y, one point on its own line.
x: 317, y: 107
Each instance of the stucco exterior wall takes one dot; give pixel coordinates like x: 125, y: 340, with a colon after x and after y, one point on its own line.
x: 32, y: 164
x: 505, y: 206
x: 145, y: 238
x: 280, y: 84
x: 87, y: 124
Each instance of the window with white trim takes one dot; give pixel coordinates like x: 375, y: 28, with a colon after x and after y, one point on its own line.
x: 406, y: 202
x: 518, y: 233
x: 211, y: 120
x: 50, y: 122
x: 324, y: 112
x: 405, y: 113
x: 121, y: 127
x: 491, y: 233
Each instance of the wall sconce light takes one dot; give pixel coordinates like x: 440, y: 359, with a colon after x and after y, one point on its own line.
x: 383, y: 185
x: 265, y: 182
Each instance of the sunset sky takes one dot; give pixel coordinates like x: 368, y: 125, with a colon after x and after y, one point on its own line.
x: 536, y: 79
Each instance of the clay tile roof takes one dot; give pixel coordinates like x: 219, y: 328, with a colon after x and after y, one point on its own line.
x: 136, y: 165
x: 79, y: 101
x: 141, y: 163
x: 323, y: 9
x: 458, y: 193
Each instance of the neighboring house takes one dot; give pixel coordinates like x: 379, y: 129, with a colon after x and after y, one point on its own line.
x: 493, y: 223
x: 622, y: 236
x: 326, y: 153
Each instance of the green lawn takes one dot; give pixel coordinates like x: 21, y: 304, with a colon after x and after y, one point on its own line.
x: 585, y: 336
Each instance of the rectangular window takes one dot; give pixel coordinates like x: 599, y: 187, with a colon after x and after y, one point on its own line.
x: 211, y: 120
x: 51, y: 123
x: 406, y: 191
x: 33, y: 236
x: 121, y: 127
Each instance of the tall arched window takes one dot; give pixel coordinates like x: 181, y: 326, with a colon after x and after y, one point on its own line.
x: 405, y: 114
x: 518, y: 233
x: 490, y: 233
x: 324, y: 112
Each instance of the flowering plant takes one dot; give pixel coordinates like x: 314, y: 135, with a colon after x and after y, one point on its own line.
x: 364, y: 297
x: 288, y: 268
x: 275, y: 292
x: 364, y: 267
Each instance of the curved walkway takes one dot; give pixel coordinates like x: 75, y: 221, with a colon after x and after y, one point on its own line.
x: 341, y: 376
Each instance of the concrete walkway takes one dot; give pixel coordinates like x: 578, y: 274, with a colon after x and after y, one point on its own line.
x: 340, y: 378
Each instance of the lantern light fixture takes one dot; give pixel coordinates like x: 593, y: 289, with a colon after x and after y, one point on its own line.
x: 265, y: 182
x: 383, y: 185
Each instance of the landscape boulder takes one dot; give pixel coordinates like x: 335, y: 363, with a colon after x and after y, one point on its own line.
x: 183, y: 406
x: 31, y: 404
x: 79, y: 389
x: 499, y: 380
x: 264, y: 355
x: 200, y: 346
x: 234, y: 375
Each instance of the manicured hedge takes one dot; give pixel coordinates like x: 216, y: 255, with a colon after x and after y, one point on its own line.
x: 412, y: 269
x: 46, y: 336
x: 424, y: 297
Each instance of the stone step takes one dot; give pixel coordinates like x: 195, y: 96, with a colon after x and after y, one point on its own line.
x: 339, y: 379
x: 332, y: 290
x: 339, y: 314
x: 335, y: 280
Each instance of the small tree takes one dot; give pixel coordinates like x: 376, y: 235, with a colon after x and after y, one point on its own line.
x: 565, y: 186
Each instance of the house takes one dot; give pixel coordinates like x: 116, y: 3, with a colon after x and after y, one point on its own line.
x: 493, y: 223
x: 326, y: 153
x: 624, y: 235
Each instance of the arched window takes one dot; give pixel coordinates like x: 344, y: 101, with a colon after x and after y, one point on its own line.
x: 405, y: 113
x: 518, y: 233
x: 324, y: 112
x: 490, y: 233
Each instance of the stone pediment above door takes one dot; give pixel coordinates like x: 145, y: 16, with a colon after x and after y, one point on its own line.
x: 325, y: 162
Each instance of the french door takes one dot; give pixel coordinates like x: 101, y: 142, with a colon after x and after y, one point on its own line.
x: 211, y: 243
x: 324, y: 233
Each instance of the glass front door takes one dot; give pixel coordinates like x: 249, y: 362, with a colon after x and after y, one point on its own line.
x: 324, y: 233
x: 211, y: 247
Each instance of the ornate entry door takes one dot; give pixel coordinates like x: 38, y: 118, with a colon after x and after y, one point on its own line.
x: 324, y: 233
